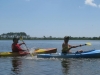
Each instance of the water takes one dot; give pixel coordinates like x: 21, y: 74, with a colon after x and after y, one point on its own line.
x: 38, y: 66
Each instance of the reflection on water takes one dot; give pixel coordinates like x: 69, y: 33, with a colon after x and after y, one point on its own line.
x: 65, y: 64
x: 16, y: 65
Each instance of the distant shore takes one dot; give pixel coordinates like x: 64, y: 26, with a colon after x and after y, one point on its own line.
x: 51, y: 39
x: 11, y: 35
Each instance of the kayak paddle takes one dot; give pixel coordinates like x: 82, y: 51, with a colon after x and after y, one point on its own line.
x: 87, y: 44
x: 25, y: 45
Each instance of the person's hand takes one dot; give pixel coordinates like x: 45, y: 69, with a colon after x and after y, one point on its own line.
x: 23, y: 43
x: 80, y: 45
x: 23, y: 50
x: 74, y: 46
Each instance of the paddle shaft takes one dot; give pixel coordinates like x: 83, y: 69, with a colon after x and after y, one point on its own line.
x: 25, y: 45
x: 77, y: 46
x: 81, y: 45
x: 27, y: 48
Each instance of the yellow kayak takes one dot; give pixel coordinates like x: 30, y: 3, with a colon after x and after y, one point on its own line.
x: 2, y: 54
x: 47, y: 50
x: 37, y: 51
x: 5, y: 54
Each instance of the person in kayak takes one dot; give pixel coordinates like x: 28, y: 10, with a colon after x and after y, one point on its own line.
x: 66, y: 47
x: 15, y: 46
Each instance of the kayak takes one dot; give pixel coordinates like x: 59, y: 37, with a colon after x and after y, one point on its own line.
x: 85, y: 54
x: 37, y: 51
x: 5, y: 54
x: 47, y: 50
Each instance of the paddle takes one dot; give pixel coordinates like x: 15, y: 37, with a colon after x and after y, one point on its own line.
x: 25, y: 45
x: 87, y: 44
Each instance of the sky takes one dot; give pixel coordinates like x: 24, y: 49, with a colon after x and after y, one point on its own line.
x: 56, y: 18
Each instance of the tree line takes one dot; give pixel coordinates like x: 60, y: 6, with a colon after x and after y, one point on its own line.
x: 11, y: 35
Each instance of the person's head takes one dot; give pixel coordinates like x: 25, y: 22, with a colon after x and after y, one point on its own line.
x: 66, y: 39
x: 15, y: 40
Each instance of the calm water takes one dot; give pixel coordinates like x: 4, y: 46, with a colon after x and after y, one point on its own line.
x: 36, y: 66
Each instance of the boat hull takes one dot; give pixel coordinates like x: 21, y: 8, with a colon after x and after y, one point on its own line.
x: 38, y: 51
x: 47, y: 50
x: 86, y: 54
x: 10, y: 54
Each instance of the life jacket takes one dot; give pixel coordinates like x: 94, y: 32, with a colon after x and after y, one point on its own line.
x: 65, y: 49
x: 16, y: 47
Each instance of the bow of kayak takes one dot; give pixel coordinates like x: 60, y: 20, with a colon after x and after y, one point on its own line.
x: 47, y: 50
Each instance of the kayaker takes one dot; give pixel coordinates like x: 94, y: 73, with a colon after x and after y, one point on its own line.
x: 15, y: 46
x: 66, y: 47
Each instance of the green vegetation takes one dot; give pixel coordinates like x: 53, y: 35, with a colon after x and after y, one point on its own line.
x: 11, y: 35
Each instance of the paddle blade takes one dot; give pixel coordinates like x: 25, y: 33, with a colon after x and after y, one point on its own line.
x: 21, y: 38
x: 89, y: 44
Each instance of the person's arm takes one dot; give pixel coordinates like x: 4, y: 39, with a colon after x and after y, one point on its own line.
x: 21, y: 44
x: 76, y: 46
x: 19, y: 48
x: 70, y: 45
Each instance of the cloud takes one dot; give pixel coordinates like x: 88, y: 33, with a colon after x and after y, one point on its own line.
x: 91, y: 3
